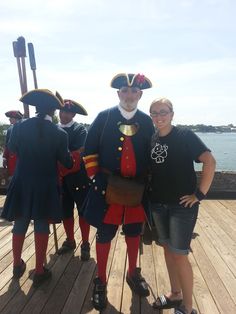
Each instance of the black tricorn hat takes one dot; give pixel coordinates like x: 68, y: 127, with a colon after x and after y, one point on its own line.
x: 130, y: 80
x: 74, y: 107
x: 42, y: 99
x: 14, y: 114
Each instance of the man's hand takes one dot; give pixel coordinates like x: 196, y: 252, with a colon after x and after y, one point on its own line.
x: 4, y: 163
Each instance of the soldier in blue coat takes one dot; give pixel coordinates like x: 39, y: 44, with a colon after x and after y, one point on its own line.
x: 74, y: 181
x: 9, y: 159
x: 33, y: 192
x: 116, y: 148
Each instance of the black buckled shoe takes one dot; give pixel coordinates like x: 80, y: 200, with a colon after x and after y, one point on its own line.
x: 39, y: 279
x: 19, y: 270
x: 182, y: 310
x: 85, y: 251
x: 67, y: 246
x: 99, y: 297
x: 137, y: 283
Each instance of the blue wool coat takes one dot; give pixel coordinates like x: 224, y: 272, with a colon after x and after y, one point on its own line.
x: 105, y: 139
x: 34, y: 190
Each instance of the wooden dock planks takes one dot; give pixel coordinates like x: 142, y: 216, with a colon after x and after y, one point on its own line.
x: 213, y: 260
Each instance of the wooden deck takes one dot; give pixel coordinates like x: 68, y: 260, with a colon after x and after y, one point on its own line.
x: 213, y: 259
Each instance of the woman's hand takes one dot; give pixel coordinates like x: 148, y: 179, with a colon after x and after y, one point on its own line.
x: 188, y: 200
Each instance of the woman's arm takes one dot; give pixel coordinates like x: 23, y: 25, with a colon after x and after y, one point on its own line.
x: 208, y: 170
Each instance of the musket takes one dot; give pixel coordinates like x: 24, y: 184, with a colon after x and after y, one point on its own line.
x: 20, y: 54
x: 33, y: 68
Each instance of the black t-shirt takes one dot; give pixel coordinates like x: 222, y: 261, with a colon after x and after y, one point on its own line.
x: 172, y: 166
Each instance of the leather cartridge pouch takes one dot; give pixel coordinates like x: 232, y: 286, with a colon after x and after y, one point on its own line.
x: 124, y: 191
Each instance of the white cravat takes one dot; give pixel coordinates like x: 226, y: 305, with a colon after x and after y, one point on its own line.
x: 68, y: 125
x: 47, y: 117
x: 127, y: 114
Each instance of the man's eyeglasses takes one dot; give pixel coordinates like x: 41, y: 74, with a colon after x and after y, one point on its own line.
x: 161, y: 113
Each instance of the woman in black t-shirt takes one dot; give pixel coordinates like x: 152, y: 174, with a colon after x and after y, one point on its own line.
x: 174, y: 199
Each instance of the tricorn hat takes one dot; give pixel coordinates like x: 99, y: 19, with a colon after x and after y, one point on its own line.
x: 42, y: 99
x: 14, y: 114
x: 130, y: 80
x: 74, y: 107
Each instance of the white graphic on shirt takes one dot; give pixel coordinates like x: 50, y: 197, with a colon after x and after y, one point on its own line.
x: 159, y: 153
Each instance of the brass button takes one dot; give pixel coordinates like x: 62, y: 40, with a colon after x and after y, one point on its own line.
x: 95, y: 188
x: 94, y: 180
x: 127, y: 157
x: 77, y: 188
x: 122, y: 138
x: 120, y: 148
x: 103, y: 192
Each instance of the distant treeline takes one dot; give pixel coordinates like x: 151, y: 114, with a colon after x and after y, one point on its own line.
x: 195, y: 128
x: 210, y: 128
x: 202, y: 128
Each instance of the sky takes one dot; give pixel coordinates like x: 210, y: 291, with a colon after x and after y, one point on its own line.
x: 187, y: 48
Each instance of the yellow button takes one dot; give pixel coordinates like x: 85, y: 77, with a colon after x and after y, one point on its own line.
x: 122, y: 138
x: 120, y: 148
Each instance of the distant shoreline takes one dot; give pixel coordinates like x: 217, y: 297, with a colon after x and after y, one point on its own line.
x: 202, y: 128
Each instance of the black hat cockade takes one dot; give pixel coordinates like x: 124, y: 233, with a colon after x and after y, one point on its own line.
x: 16, y: 114
x: 131, y: 80
x: 42, y: 99
x: 74, y: 107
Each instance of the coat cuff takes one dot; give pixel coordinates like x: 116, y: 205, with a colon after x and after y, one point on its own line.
x: 76, y: 165
x: 91, y: 164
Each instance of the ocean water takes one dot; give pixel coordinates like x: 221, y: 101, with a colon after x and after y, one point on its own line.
x: 223, y: 147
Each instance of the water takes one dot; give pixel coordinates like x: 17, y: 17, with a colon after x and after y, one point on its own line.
x: 223, y: 147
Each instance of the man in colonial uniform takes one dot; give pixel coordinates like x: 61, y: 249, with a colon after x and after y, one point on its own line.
x: 9, y: 158
x: 75, y: 180
x: 33, y: 193
x: 118, y: 144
